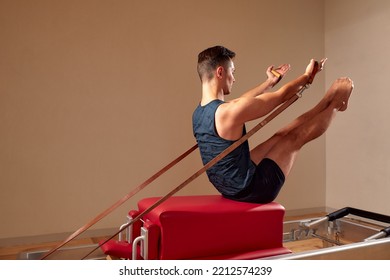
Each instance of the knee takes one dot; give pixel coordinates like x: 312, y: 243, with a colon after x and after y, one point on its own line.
x: 290, y: 133
x: 290, y: 139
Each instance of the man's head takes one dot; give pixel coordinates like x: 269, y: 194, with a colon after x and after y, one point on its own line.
x: 210, y: 59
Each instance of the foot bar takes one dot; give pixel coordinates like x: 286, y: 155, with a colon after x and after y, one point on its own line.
x: 351, y: 211
x: 383, y: 233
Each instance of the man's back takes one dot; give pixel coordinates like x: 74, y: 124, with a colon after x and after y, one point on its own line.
x: 232, y: 173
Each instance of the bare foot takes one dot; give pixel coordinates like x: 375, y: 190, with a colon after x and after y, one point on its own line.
x: 339, y: 92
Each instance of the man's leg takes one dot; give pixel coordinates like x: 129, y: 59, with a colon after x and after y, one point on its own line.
x: 284, y: 146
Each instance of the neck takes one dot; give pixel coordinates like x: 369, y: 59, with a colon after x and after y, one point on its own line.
x: 210, y: 92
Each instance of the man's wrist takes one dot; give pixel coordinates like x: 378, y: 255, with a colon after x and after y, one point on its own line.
x: 306, y: 77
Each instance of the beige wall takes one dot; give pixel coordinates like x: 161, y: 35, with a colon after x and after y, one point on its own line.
x: 96, y: 96
x: 357, y: 148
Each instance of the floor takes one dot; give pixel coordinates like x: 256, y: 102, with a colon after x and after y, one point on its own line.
x: 12, y: 253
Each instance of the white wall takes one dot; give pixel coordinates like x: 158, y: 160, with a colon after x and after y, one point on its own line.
x: 357, y: 43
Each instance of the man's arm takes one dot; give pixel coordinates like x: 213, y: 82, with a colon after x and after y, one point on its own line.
x: 250, y: 107
x: 231, y: 116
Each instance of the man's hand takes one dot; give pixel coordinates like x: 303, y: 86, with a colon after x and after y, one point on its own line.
x: 310, y: 68
x: 275, y: 75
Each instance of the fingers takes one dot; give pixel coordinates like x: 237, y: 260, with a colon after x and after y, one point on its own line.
x: 276, y: 74
x: 269, y: 69
x: 322, y: 63
x: 283, y: 69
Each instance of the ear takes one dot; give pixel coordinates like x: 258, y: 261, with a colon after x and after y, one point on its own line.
x: 219, y: 72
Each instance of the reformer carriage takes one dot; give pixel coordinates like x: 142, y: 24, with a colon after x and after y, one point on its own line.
x: 212, y: 227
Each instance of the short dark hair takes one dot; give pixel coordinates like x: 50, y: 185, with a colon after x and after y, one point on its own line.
x: 211, y: 58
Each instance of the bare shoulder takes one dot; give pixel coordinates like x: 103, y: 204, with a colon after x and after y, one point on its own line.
x: 236, y: 109
x: 226, y: 121
x: 231, y: 116
x: 227, y: 110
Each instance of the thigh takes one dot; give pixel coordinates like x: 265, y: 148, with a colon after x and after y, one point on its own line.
x: 261, y: 150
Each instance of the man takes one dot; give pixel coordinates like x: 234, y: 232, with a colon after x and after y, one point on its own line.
x: 258, y: 175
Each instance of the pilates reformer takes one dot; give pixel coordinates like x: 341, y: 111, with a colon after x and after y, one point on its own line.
x: 150, y: 228
x: 211, y: 227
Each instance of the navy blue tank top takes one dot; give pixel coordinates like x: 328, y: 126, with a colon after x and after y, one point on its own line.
x: 235, y: 171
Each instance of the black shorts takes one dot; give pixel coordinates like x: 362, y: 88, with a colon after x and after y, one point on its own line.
x: 265, y: 185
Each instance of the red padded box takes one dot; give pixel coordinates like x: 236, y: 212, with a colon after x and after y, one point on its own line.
x: 213, y: 227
